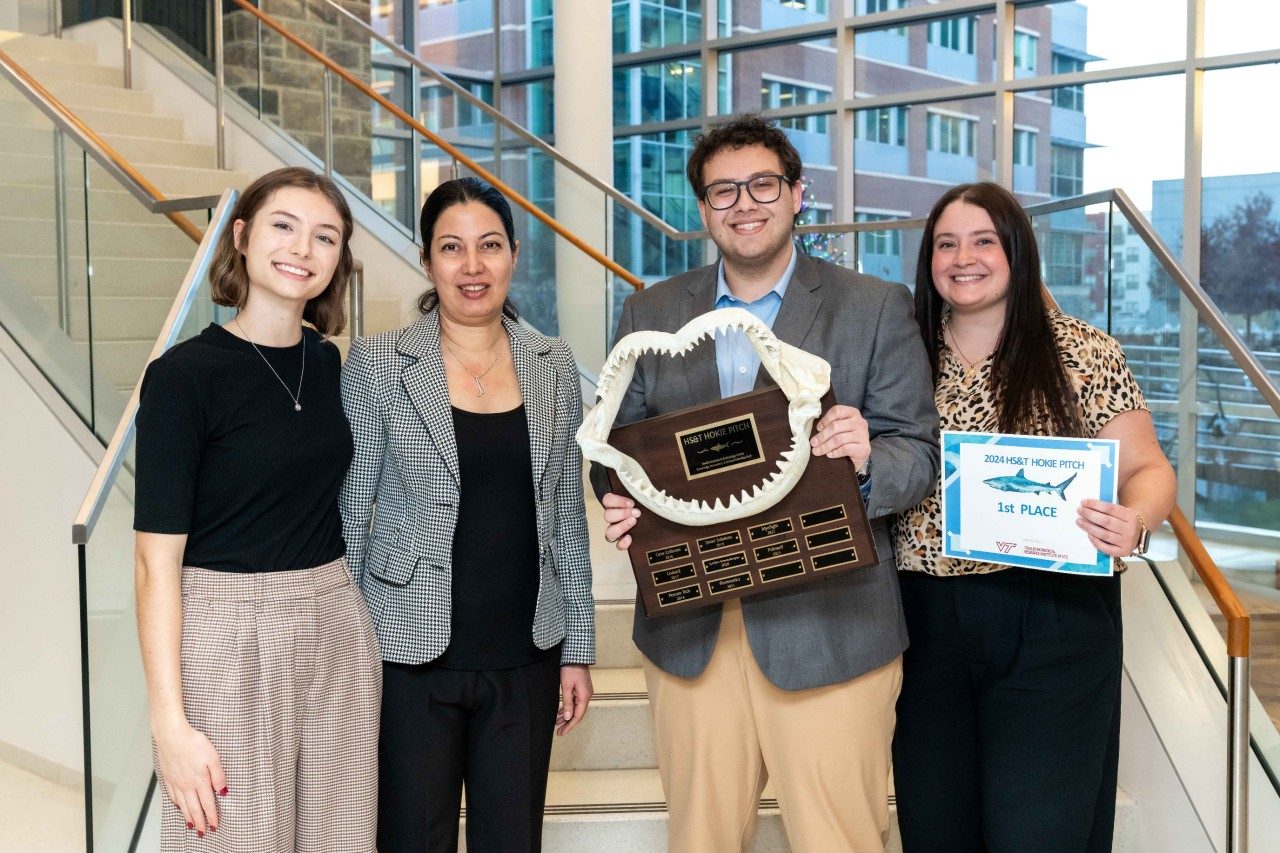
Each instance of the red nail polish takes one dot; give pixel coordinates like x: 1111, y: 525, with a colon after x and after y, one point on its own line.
x: 213, y: 829
x: 223, y: 792
x: 190, y: 825
x: 199, y: 834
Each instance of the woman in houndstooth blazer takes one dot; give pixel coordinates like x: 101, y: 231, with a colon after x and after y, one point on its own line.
x: 465, y: 528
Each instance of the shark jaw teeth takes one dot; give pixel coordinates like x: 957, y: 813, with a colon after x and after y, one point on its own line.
x: 803, y: 378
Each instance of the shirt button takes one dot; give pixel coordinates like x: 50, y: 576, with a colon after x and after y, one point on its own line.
x: 742, y: 369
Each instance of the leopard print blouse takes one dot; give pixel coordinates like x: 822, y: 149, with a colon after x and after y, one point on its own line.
x: 1104, y: 386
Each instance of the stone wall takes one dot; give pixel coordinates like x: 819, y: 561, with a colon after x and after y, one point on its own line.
x: 292, y: 94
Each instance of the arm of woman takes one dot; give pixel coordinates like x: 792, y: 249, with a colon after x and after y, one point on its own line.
x: 573, y: 564
x: 359, y: 401
x: 1147, y: 487
x: 188, y: 761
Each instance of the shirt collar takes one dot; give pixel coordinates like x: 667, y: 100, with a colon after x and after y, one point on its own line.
x: 725, y: 296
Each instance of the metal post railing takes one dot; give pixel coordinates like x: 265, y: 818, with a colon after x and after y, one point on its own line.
x: 126, y: 16
x: 328, y: 123
x: 355, y: 297
x: 1237, y: 829
x: 60, y: 229
x: 219, y: 84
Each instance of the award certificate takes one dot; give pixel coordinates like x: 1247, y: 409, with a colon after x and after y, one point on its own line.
x: 1012, y: 499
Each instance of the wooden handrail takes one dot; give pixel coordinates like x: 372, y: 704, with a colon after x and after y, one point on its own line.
x: 1223, y: 595
x: 186, y: 225
x: 533, y: 210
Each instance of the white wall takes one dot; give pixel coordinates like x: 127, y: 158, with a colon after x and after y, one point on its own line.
x: 44, y: 473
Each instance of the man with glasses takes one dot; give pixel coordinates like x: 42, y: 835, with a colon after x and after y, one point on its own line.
x: 798, y: 686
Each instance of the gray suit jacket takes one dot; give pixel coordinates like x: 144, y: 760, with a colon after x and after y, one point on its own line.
x: 406, y: 462
x: 839, y: 628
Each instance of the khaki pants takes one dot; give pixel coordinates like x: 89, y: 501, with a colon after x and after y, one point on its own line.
x: 281, y: 671
x: 721, y: 736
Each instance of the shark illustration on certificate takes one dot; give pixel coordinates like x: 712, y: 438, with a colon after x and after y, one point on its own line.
x: 1012, y: 499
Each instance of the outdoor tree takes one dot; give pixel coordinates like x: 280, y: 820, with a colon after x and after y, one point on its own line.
x: 1240, y: 260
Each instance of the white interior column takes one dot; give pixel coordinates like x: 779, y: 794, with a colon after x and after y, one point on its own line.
x: 583, y: 35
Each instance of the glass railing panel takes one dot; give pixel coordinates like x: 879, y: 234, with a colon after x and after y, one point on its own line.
x: 1073, y: 256
x: 119, y: 729
x: 43, y: 271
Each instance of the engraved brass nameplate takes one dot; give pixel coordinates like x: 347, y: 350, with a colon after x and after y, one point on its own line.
x: 722, y: 585
x: 673, y: 574
x: 720, y: 446
x: 721, y: 540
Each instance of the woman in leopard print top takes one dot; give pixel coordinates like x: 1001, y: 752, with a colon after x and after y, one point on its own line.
x: 1008, y: 720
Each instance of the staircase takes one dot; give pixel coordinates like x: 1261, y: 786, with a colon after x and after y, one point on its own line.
x: 137, y: 258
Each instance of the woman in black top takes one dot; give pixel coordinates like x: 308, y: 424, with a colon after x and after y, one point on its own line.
x: 261, y: 665
x: 474, y: 563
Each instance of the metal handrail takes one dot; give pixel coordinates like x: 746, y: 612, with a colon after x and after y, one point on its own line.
x: 1238, y: 625
x: 111, y: 160
x: 96, y: 496
x: 439, y: 141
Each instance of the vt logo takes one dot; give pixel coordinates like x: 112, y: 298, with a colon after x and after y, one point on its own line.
x: 1005, y: 547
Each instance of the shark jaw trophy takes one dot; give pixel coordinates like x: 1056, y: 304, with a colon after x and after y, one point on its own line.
x: 734, y: 504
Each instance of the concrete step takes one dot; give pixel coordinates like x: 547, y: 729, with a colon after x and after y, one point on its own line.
x: 136, y: 276
x: 105, y: 95
x: 104, y: 121
x: 173, y: 181
x: 47, y: 69
x: 154, y: 234
x: 116, y: 318
x: 134, y: 149
x: 27, y: 47
x: 614, y: 649
x: 107, y: 203
x: 617, y: 732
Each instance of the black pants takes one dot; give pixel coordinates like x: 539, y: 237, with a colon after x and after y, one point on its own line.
x: 1008, y: 730
x: 490, y: 729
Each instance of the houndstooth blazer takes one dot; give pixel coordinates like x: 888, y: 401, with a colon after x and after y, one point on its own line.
x: 406, y: 464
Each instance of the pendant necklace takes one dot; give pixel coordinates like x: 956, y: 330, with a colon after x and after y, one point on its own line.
x: 476, y: 377
x: 970, y: 367
x: 297, y: 398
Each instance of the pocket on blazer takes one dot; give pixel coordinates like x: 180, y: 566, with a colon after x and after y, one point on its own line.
x: 390, y: 564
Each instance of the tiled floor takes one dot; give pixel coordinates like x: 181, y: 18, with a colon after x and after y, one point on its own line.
x: 39, y: 816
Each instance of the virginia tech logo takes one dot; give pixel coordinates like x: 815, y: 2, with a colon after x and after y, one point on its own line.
x: 1005, y: 547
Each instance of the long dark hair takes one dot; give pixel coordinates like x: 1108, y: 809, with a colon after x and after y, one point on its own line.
x: 228, y: 276
x: 1028, y: 379
x: 445, y: 196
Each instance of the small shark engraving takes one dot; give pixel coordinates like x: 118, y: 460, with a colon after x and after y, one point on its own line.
x: 714, y: 448
x: 1019, y: 483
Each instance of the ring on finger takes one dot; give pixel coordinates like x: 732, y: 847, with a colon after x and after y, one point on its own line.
x: 611, y: 541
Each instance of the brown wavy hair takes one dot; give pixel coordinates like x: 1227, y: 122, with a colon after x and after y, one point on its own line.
x: 1029, y: 382
x: 228, y: 278
x: 747, y: 129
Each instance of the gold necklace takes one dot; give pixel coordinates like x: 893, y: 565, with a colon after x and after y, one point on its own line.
x: 476, y: 377
x: 970, y: 367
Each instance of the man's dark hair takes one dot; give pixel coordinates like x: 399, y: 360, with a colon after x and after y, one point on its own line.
x: 749, y: 129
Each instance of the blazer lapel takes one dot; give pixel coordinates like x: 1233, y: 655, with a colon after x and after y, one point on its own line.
x: 428, y: 388
x: 799, y: 308
x: 700, y: 363
x: 538, y: 388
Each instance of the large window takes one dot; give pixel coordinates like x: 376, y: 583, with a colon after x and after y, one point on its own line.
x: 1067, y: 175
x: 1024, y: 147
x: 957, y: 34
x: 886, y: 125
x: 1068, y: 97
x: 870, y: 7
x: 777, y: 94
x: 1025, y: 46
x: 952, y: 134
x: 644, y: 24
x: 540, y: 29
x: 878, y: 242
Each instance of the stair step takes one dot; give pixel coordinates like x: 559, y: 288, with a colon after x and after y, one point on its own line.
x: 47, y: 69
x: 103, y: 121
x: 160, y: 237
x: 116, y: 318
x: 614, y: 649
x: 617, y: 732
x: 107, y: 203
x: 24, y: 47
x: 101, y: 96
x: 137, y: 276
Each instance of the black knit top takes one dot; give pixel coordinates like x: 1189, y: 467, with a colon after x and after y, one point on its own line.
x: 495, y: 545
x: 223, y: 457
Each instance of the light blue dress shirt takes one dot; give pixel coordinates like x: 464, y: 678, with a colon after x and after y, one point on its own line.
x: 736, y: 360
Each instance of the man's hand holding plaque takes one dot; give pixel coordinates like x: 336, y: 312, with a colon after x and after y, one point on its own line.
x: 730, y: 498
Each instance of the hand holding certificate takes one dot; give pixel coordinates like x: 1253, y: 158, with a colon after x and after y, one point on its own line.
x: 1012, y: 499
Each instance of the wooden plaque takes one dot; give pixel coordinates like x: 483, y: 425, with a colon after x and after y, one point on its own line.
x: 818, y: 530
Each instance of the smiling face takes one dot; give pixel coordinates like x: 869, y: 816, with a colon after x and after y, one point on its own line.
x: 749, y: 234
x: 291, y: 246
x: 969, y: 266
x: 470, y: 261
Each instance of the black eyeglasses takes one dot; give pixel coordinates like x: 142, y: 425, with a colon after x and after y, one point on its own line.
x: 765, y: 189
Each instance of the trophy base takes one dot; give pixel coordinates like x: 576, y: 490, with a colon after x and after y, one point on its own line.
x: 818, y: 530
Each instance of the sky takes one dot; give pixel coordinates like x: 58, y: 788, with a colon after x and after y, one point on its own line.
x: 1138, y: 125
